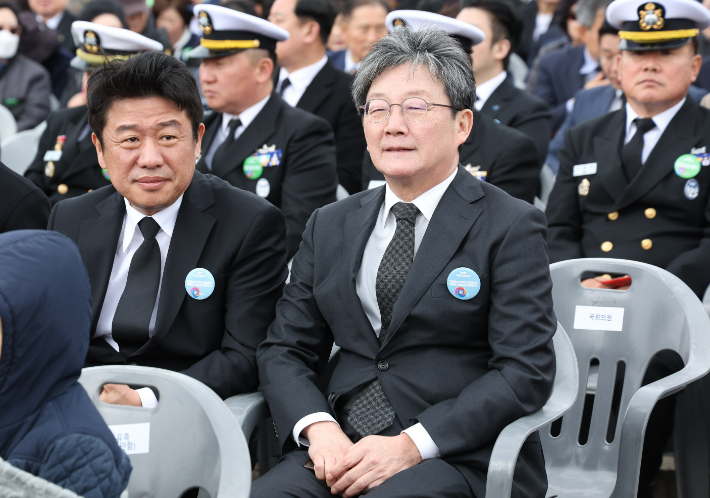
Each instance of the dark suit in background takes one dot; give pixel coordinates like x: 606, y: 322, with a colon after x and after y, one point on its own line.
x: 64, y: 35
x: 328, y: 96
x: 238, y: 237
x: 337, y: 58
x: 22, y: 205
x: 528, y: 12
x: 307, y: 176
x: 463, y: 369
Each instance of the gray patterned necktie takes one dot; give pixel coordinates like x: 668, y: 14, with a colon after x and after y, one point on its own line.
x: 372, y: 412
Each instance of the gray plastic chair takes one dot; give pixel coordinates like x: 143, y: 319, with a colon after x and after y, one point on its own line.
x: 18, y: 150
x: 660, y: 312
x: 194, y: 439
x: 8, y: 125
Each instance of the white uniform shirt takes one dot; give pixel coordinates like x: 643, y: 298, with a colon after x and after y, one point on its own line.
x: 651, y: 137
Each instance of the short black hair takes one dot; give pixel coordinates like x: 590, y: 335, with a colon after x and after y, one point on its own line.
x: 321, y: 11
x: 350, y: 5
x: 607, y: 29
x: 95, y: 8
x: 149, y: 74
x: 506, y: 22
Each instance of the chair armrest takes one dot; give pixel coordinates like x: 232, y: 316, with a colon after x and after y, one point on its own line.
x: 249, y: 409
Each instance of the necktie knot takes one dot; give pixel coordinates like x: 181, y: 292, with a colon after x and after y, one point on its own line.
x: 405, y: 211
x: 233, y: 125
x: 644, y: 124
x: 149, y: 228
x: 284, y: 85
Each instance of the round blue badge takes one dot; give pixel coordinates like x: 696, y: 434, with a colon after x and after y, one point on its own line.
x: 691, y: 189
x: 199, y: 284
x: 463, y: 283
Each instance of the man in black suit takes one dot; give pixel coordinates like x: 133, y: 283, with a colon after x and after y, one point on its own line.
x: 635, y: 184
x: 436, y: 287
x: 22, y: 205
x: 496, y: 94
x: 54, y: 14
x: 309, y: 81
x: 66, y: 164
x: 363, y: 24
x: 255, y: 140
x: 185, y: 269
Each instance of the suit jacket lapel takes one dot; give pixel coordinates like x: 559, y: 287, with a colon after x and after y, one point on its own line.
x: 319, y: 90
x: 212, y: 124
x: 610, y: 173
x: 498, y: 99
x: 452, y: 220
x: 71, y: 147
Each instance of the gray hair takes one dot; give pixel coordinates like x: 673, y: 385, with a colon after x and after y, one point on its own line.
x: 447, y: 62
x: 587, y: 11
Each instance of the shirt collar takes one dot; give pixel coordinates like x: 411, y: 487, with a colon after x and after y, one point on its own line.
x: 661, y: 120
x: 303, y: 77
x: 590, y: 65
x: 486, y: 89
x: 166, y: 218
x: 53, y: 22
x: 350, y: 64
x: 247, y: 115
x: 426, y: 203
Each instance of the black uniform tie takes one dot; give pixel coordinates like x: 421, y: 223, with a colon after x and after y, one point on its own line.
x: 631, y: 152
x: 284, y: 85
x: 132, y: 317
x: 220, y: 160
x: 372, y: 412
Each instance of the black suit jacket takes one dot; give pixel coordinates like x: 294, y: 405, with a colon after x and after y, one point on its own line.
x: 64, y: 35
x: 307, y: 177
x: 524, y: 112
x: 507, y: 156
x: 528, y: 12
x: 78, y: 169
x: 22, y: 205
x: 679, y: 231
x: 463, y: 369
x: 235, y: 235
x: 328, y: 96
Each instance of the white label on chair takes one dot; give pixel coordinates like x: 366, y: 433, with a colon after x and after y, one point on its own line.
x: 132, y: 438
x: 599, y: 318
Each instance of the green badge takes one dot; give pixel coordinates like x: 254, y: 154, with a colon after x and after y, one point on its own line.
x: 11, y: 102
x: 253, y: 168
x: 105, y: 173
x: 687, y: 166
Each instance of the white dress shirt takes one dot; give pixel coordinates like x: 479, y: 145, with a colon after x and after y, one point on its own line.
x: 300, y: 79
x: 618, y: 101
x: 365, y: 286
x: 350, y: 64
x: 129, y: 241
x: 590, y: 67
x: 246, y: 117
x: 542, y: 24
x: 486, y: 89
x: 52, y: 22
x: 651, y: 137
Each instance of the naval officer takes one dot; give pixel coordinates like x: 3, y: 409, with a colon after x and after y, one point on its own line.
x: 66, y: 164
x: 255, y: 140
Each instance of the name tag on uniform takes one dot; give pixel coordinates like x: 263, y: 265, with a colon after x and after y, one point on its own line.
x: 52, y: 155
x: 584, y: 169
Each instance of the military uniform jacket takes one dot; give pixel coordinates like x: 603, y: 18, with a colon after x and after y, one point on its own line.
x: 500, y: 155
x: 657, y: 218
x: 77, y: 171
x: 305, y: 177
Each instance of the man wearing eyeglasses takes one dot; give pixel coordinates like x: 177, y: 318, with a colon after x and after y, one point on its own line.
x: 437, y: 290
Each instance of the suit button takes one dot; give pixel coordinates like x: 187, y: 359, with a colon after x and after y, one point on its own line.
x: 607, y: 246
x: 613, y: 216
x: 650, y: 213
x: 62, y: 189
x: 90, y: 190
x: 331, y: 397
x: 382, y: 366
x: 646, y: 244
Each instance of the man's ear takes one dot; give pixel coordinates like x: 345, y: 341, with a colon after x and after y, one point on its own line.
x: 501, y: 49
x: 99, y: 149
x: 198, y: 144
x: 312, y: 32
x: 464, y: 123
x: 695, y: 66
x: 264, y: 69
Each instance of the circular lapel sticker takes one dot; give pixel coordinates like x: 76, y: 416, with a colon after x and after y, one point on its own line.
x: 687, y: 166
x: 463, y: 283
x: 263, y: 188
x: 691, y: 189
x: 252, y: 168
x: 199, y: 284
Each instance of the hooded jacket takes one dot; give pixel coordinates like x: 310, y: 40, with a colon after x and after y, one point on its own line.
x: 48, y: 425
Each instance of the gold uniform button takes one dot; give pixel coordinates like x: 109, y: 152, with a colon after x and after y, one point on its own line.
x: 650, y: 213
x: 90, y: 190
x: 607, y: 246
x: 62, y: 189
x: 613, y: 216
x: 646, y: 244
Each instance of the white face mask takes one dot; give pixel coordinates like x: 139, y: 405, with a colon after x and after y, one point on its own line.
x: 8, y: 44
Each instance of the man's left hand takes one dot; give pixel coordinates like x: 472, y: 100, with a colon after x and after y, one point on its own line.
x: 372, y: 461
x: 120, y: 394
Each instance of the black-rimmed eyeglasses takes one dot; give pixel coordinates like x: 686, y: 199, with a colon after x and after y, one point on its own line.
x: 413, y: 109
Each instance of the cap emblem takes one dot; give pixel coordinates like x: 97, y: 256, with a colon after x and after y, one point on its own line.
x: 651, y: 16
x: 399, y: 23
x: 205, y: 22
x: 91, y: 42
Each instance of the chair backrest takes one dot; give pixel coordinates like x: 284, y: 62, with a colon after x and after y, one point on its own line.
x: 18, y: 151
x: 620, y: 331
x: 192, y: 439
x: 8, y: 125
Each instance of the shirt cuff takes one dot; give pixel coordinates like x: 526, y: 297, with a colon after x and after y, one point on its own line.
x: 426, y: 445
x: 569, y: 105
x: 148, y: 399
x: 309, y: 420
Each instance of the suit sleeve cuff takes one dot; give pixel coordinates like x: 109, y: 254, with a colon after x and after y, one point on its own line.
x: 148, y: 399
x: 309, y: 420
x: 426, y: 445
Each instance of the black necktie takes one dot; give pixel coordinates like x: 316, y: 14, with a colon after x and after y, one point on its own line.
x: 284, y: 85
x: 631, y: 152
x: 372, y: 412
x: 132, y: 317
x: 220, y: 160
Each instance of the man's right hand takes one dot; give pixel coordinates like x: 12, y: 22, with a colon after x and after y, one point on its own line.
x: 329, y: 445
x: 598, y: 80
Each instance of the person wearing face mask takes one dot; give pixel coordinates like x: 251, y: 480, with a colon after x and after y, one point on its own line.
x: 25, y: 86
